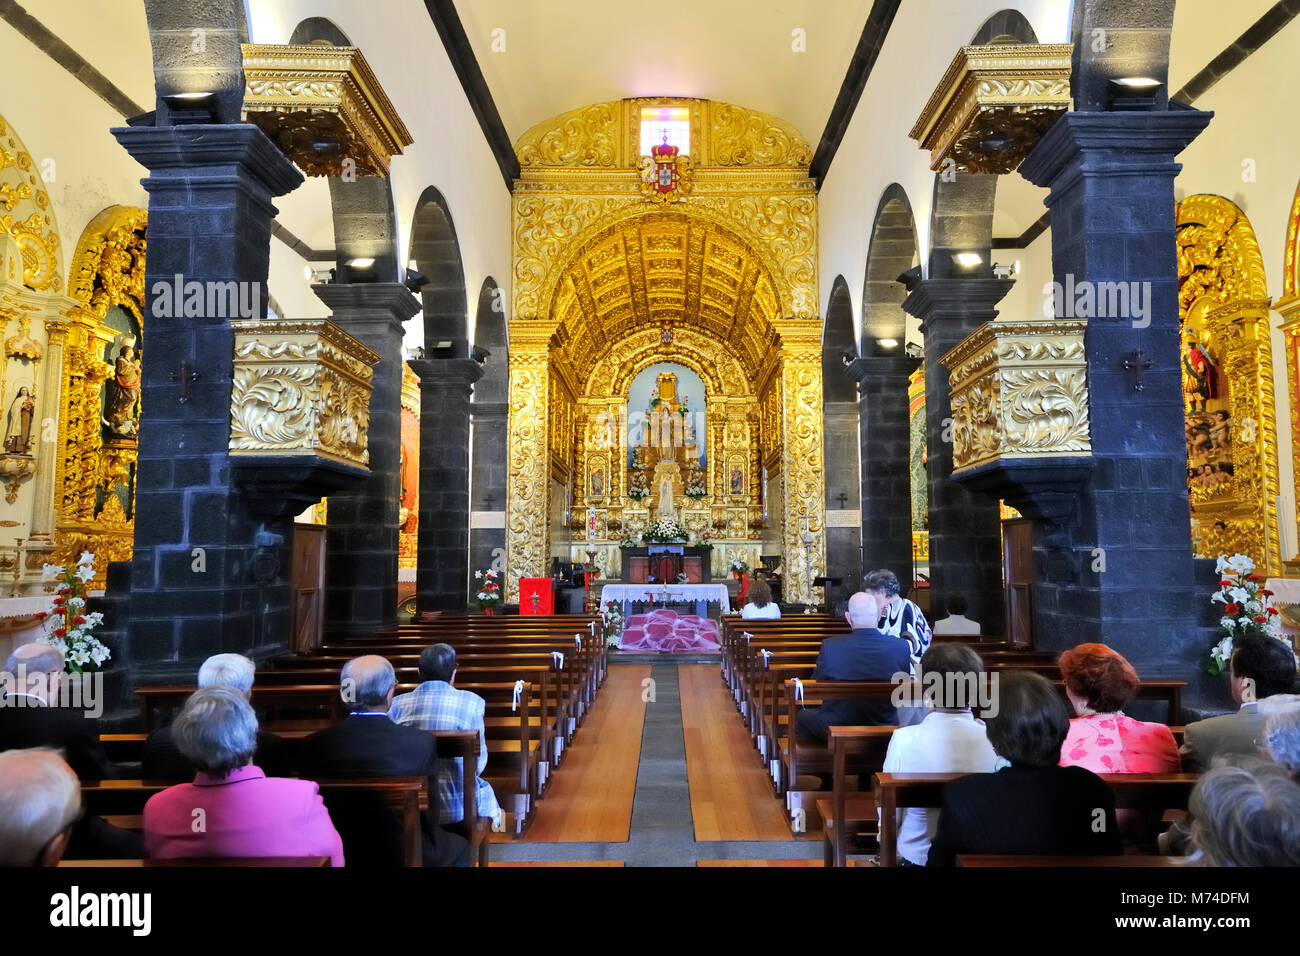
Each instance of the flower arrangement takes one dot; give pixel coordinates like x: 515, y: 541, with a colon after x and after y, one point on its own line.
x: 67, y: 624
x: 612, y: 614
x: 1246, y: 607
x: 637, y: 487
x: 739, y: 566
x: 627, y: 541
x: 665, y: 529
x: 705, y: 540
x: 489, y: 592
x: 696, y: 485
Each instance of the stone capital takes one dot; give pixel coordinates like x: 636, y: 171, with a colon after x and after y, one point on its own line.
x: 956, y: 298
x: 443, y: 375
x: 186, y: 154
x: 368, y: 301
x: 1113, y: 144
x: 864, y: 368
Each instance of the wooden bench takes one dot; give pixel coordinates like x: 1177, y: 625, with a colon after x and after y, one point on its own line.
x: 1133, y: 791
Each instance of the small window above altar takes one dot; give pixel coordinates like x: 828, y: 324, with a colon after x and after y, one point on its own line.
x: 665, y: 123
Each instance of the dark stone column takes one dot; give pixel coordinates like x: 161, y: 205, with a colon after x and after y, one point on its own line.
x: 965, y: 531
x: 442, y: 549
x: 361, y: 556
x: 886, y: 475
x: 491, y: 441
x: 207, y: 574
x: 1111, y: 177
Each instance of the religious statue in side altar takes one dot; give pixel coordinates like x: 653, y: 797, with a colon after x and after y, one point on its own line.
x: 18, y: 424
x: 121, y: 414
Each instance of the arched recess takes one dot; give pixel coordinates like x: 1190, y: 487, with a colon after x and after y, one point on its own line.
x: 94, y: 474
x: 1227, y: 368
x: 891, y: 252
x: 841, y: 436
x: 489, y: 434
x: 435, y: 252
x: 1005, y: 26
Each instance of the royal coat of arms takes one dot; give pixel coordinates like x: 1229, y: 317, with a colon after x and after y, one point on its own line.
x: 665, y: 176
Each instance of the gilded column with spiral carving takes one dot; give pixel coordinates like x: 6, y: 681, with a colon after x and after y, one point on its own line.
x: 802, y: 456
x: 528, y: 464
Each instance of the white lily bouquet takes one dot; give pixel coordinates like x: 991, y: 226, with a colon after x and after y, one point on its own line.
x: 1247, y: 607
x: 67, y: 624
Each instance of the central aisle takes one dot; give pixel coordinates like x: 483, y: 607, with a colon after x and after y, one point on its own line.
x: 661, y: 773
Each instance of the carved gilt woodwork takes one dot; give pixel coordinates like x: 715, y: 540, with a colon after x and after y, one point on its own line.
x: 1289, y: 307
x: 527, y: 466
x: 323, y: 106
x: 1019, y: 391
x: 299, y: 388
x: 993, y: 104
x: 27, y: 215
x: 803, y: 455
x: 1223, y: 304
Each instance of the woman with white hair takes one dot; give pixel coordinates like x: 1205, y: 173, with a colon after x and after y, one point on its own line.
x: 232, y: 808
x: 1246, y: 815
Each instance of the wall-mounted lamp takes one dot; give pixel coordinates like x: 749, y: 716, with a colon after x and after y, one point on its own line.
x: 190, y: 109
x: 415, y: 281
x: 1001, y: 271
x: 1133, y: 93
x: 317, y: 276
x: 887, y: 343
x: 968, y: 260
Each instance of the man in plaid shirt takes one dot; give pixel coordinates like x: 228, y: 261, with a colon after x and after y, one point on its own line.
x: 437, y: 705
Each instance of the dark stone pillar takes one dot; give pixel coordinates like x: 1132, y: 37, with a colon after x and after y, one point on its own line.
x: 491, y: 439
x: 965, y: 530
x: 207, y: 574
x: 1111, y: 177
x: 361, y: 562
x: 442, y: 549
x: 886, y: 471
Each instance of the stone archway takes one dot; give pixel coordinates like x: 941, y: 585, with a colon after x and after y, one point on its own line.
x: 487, y: 537
x: 842, y: 431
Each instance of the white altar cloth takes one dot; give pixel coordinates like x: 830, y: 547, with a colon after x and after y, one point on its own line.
x: 667, y: 594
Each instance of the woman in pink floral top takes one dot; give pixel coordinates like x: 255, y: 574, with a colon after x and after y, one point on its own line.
x: 1099, y: 682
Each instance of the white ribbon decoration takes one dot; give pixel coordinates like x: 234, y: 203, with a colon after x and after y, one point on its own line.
x: 558, y: 658
x: 798, y: 690
x: 766, y: 654
x: 592, y: 626
x: 519, y: 689
x: 747, y: 636
x: 577, y: 642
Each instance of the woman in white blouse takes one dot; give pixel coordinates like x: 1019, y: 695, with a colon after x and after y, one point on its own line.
x: 760, y: 603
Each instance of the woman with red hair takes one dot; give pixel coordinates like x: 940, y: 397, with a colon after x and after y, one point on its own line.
x: 1099, y: 682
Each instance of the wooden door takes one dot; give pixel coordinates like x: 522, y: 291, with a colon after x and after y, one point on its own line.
x: 307, y: 588
x: 1018, y: 573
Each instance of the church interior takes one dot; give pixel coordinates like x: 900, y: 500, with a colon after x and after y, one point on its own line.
x: 577, y: 382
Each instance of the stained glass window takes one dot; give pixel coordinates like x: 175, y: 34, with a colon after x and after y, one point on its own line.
x: 673, y: 122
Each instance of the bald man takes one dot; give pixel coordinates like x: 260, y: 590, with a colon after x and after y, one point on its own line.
x: 863, y: 655
x: 40, y: 800
x: 32, y: 713
x: 367, y: 743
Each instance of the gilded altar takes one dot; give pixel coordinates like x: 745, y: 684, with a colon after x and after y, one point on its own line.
x: 1227, y: 370
x: 721, y: 280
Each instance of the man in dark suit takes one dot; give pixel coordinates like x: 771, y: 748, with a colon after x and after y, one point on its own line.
x: 368, y: 743
x: 33, y: 713
x: 162, y: 759
x: 863, y: 655
x: 1033, y: 806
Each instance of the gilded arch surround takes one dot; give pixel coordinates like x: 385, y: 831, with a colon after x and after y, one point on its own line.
x: 748, y: 229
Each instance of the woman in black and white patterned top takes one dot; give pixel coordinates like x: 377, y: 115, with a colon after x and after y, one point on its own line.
x: 899, y: 617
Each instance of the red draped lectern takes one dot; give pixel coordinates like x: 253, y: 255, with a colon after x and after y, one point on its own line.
x: 536, y: 596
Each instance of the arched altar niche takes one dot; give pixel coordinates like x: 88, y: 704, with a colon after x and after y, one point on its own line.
x: 1227, y: 369
x: 667, y: 417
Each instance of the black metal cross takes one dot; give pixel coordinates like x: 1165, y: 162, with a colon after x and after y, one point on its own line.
x: 842, y: 498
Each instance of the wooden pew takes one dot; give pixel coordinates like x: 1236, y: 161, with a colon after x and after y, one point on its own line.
x: 408, y: 796
x: 515, y: 743
x: 863, y: 750
x: 1133, y: 791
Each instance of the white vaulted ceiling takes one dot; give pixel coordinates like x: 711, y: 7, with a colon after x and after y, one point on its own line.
x: 562, y: 54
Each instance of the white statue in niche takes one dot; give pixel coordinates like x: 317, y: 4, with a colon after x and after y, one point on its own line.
x: 666, y: 509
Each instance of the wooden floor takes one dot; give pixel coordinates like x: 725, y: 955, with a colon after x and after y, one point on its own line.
x: 590, y: 797
x: 731, y: 793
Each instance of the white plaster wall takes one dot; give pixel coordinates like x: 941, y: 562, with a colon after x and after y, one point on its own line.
x: 876, y: 150
x: 1254, y: 119
x: 449, y: 152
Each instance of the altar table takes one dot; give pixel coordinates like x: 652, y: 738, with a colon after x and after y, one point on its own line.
x: 702, y: 594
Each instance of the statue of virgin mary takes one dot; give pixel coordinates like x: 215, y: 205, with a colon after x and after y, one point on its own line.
x: 666, y: 509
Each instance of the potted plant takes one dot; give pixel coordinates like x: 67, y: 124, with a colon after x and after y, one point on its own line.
x: 489, y: 592
x: 68, y: 626
x: 1247, y: 607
